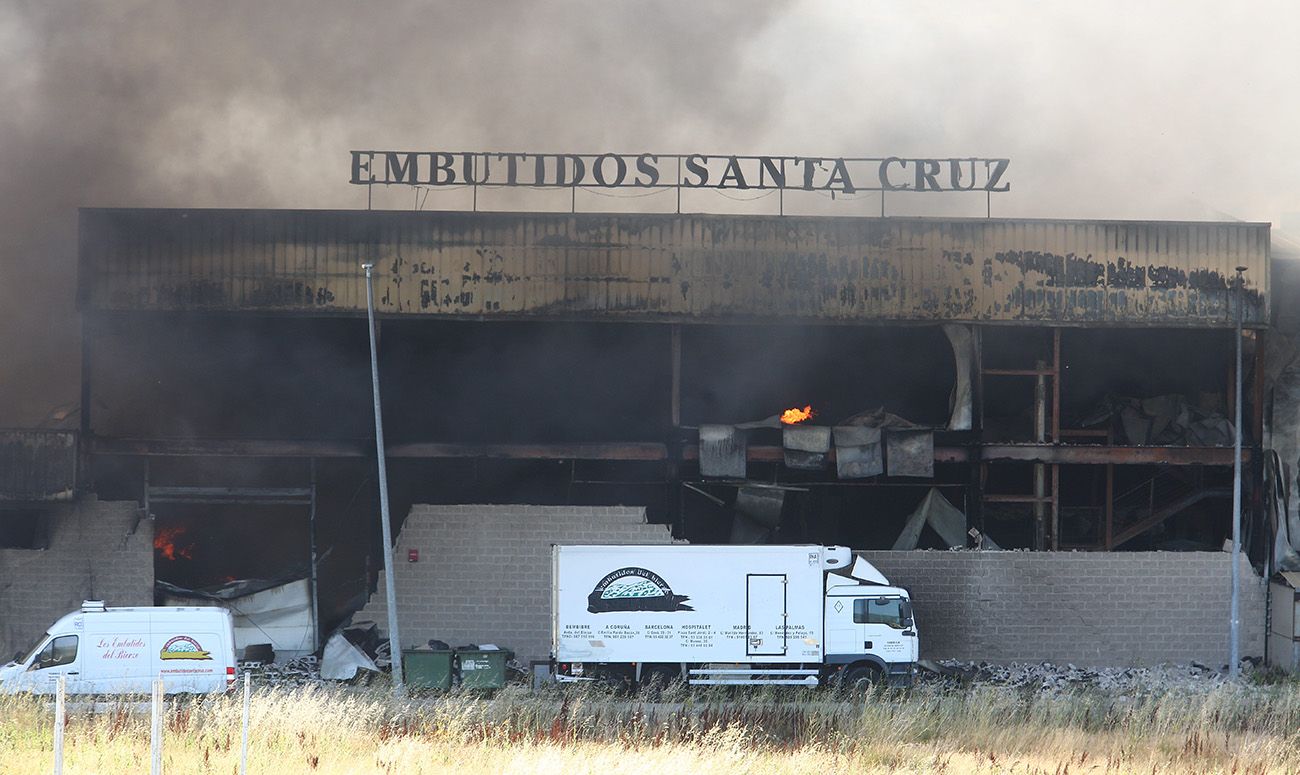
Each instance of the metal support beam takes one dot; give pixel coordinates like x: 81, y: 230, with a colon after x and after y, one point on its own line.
x: 1108, y: 538
x: 1096, y: 454
x: 647, y: 451
x: 234, y: 494
x: 676, y: 414
x: 1234, y: 614
x: 85, y: 475
x: 1092, y: 454
x: 1040, y: 469
x: 300, y: 448
x: 394, y: 638
x: 315, y: 582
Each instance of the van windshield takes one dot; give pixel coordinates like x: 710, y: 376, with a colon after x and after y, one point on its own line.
x: 26, y: 655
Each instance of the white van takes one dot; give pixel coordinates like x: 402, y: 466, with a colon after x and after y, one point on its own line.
x: 103, y: 650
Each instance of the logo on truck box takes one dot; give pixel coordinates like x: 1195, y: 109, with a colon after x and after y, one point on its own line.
x: 183, y: 647
x: 634, y: 589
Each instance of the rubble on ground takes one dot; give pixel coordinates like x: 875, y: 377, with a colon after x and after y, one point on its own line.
x: 290, y: 672
x: 1050, y: 678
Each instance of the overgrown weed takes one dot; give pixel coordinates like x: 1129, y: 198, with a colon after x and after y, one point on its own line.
x: 1242, y: 728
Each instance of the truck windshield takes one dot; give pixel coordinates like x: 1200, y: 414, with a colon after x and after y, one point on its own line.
x: 891, y: 611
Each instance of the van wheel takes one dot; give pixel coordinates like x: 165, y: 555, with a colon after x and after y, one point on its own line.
x: 858, y: 680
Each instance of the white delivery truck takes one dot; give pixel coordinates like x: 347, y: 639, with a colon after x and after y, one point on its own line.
x: 100, y: 650
x: 786, y: 615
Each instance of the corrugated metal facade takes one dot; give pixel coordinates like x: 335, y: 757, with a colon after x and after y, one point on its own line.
x: 674, y: 267
x: 38, y: 466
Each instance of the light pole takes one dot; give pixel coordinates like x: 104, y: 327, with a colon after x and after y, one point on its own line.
x: 1234, y: 621
x: 394, y: 640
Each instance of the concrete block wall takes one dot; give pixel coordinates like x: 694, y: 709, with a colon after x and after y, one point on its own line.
x: 96, y: 551
x: 1087, y: 608
x: 484, y: 573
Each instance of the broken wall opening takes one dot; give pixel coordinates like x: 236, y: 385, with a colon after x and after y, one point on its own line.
x: 24, y: 527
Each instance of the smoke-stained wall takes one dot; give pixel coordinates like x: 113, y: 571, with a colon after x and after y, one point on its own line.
x: 97, y: 550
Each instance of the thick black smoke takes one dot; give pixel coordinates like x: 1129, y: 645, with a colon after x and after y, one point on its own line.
x: 1107, y: 111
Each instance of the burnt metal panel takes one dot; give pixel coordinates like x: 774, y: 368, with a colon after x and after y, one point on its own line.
x: 38, y: 465
x: 675, y: 267
x: 910, y: 452
x: 858, y: 453
x: 806, y: 446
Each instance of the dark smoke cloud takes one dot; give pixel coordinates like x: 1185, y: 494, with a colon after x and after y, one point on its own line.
x: 255, y: 105
x: 1109, y: 110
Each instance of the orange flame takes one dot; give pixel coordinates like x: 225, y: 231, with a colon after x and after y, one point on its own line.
x: 796, y: 415
x: 165, y: 543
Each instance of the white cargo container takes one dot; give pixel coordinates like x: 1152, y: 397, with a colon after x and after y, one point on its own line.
x: 101, y: 650
x: 794, y: 615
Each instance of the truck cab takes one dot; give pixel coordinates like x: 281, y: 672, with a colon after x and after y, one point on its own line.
x: 871, y: 633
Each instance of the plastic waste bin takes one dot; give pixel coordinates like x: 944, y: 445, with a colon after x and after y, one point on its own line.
x: 483, y: 668
x: 426, y: 668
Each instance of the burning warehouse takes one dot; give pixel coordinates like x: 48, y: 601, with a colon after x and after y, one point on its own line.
x: 889, y: 384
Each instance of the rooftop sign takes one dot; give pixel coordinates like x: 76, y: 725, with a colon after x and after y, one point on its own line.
x: 651, y: 171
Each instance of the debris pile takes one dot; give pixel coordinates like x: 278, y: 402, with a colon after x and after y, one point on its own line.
x: 292, y: 672
x: 1050, y: 678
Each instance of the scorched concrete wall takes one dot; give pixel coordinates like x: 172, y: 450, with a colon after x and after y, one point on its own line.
x: 97, y: 551
x: 484, y: 573
x: 1088, y: 608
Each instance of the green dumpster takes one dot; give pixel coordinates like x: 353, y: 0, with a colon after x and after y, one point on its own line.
x: 427, y: 669
x: 481, y: 669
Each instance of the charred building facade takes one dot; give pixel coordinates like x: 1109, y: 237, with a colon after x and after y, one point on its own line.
x: 1016, y: 384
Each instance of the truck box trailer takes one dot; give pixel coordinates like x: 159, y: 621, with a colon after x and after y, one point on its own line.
x: 786, y: 615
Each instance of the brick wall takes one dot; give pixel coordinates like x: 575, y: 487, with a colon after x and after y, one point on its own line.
x: 1088, y: 608
x: 484, y: 574
x: 96, y: 551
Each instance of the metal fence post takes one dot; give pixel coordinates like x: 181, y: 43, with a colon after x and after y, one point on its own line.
x: 243, y: 746
x: 59, y: 710
x: 155, y: 729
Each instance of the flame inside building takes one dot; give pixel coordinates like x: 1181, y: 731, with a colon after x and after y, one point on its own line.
x: 796, y: 415
x: 170, y: 544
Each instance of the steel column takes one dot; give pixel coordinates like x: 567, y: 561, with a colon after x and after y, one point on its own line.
x: 390, y: 588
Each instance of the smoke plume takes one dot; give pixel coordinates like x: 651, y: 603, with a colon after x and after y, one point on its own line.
x: 1108, y: 109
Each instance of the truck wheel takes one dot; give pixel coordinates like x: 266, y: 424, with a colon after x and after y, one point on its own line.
x: 654, y: 681
x: 615, y: 682
x: 858, y: 680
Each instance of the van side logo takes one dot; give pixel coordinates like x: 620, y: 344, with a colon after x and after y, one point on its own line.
x: 183, y: 647
x: 634, y: 589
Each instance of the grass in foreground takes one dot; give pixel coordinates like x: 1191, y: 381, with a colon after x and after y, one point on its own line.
x: 1246, y: 729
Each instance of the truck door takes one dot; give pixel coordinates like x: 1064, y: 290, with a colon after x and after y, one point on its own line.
x: 884, y: 625
x: 60, y: 656
x: 765, y: 614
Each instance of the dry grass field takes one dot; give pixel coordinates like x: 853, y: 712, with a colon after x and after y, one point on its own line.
x: 1246, y: 729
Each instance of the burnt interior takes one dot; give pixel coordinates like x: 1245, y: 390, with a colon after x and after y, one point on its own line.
x: 525, y: 386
